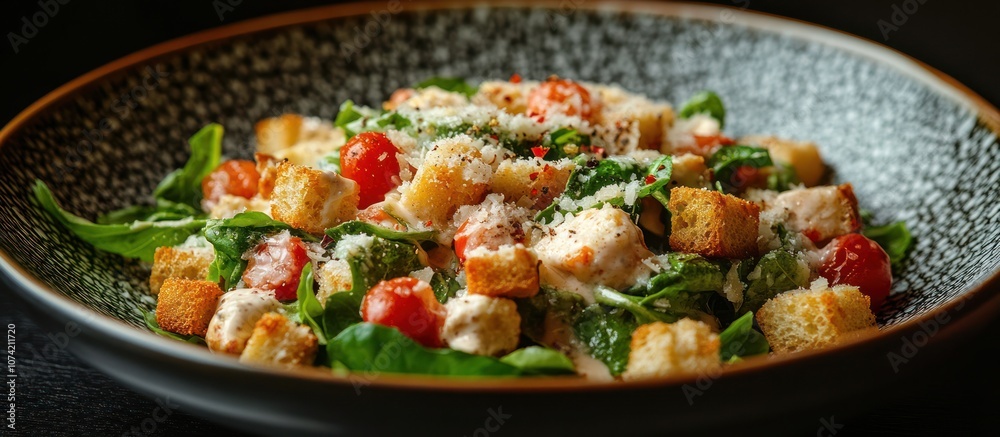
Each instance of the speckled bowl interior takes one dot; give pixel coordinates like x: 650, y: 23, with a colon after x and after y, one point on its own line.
x: 912, y: 153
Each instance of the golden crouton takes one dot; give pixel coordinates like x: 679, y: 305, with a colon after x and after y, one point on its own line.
x: 532, y: 183
x: 815, y: 318
x: 689, y: 171
x: 277, y: 133
x: 821, y: 213
x: 452, y: 174
x: 509, y: 96
x: 277, y: 341
x: 312, y: 200
x: 172, y: 262
x: 667, y: 349
x: 803, y: 156
x: 333, y: 277
x: 186, y: 306
x: 510, y: 271
x: 712, y: 224
x: 620, y: 108
x: 267, y: 168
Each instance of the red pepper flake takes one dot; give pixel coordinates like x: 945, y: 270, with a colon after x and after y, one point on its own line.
x: 534, y: 191
x: 533, y: 176
x: 539, y: 151
x: 650, y: 179
x: 515, y: 78
x: 428, y: 223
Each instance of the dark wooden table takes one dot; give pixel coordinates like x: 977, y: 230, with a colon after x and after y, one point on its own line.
x: 58, y: 395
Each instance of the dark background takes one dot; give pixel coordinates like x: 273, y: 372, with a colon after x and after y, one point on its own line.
x: 955, y: 394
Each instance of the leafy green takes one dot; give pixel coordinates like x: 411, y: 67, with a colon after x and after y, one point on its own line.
x: 136, y: 240
x: 150, y: 319
x: 355, y: 227
x: 727, y: 160
x: 540, y: 361
x: 165, y: 211
x: 445, y: 285
x: 779, y: 270
x: 607, y: 334
x: 894, y: 238
x: 633, y: 304
x: 233, y: 237
x: 561, y: 305
x: 705, y: 102
x: 741, y: 340
x: 589, y: 177
x: 367, y: 347
x: 453, y: 84
x: 183, y: 186
x: 347, y: 115
x: 782, y: 178
x: 342, y: 310
x: 306, y: 306
x: 382, y: 259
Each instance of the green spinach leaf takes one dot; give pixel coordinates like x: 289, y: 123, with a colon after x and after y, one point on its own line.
x: 705, y: 102
x: 136, y: 240
x: 894, y: 238
x: 183, y: 186
x: 371, y: 348
x: 777, y: 271
x: 607, y: 334
x: 741, y: 340
x: 535, y: 360
x: 727, y: 160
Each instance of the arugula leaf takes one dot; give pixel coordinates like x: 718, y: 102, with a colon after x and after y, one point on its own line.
x: 453, y: 84
x: 894, y: 238
x: 535, y: 360
x: 728, y: 160
x: 607, y: 334
x: 233, y: 237
x: 686, y: 282
x: 741, y: 340
x: 136, y: 240
x: 705, y: 102
x: 367, y: 347
x: 777, y: 271
x: 183, y: 186
x: 164, y: 211
x: 633, y: 304
x: 150, y: 318
x: 355, y: 227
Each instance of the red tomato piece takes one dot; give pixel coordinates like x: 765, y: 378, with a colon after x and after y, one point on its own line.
x: 370, y: 160
x: 407, y: 304
x: 561, y: 96
x: 277, y: 265
x: 853, y: 259
x: 235, y: 177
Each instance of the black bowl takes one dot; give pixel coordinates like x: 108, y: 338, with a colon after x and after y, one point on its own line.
x: 918, y: 146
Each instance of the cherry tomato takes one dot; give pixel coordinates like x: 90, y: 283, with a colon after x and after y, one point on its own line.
x: 853, y: 259
x: 560, y: 96
x: 407, y: 304
x: 370, y: 160
x: 236, y: 177
x: 277, y: 265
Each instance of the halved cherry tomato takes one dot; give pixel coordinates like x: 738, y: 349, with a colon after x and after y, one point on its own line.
x: 560, y: 96
x: 407, y: 304
x: 277, y: 265
x: 370, y: 160
x: 853, y: 259
x: 236, y: 177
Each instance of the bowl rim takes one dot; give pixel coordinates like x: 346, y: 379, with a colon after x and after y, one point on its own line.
x: 33, y: 289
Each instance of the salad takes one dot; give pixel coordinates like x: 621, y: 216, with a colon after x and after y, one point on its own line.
x: 514, y: 228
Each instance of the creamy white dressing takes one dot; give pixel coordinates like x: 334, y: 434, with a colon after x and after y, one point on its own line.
x: 234, y: 319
